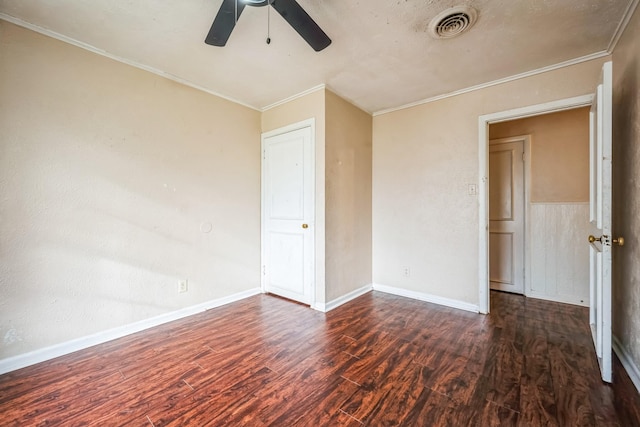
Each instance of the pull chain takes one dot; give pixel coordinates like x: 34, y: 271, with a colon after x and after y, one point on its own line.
x: 268, y: 21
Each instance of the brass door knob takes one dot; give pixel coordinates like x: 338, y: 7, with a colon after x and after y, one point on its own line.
x: 619, y: 241
x: 593, y: 238
x: 305, y: 225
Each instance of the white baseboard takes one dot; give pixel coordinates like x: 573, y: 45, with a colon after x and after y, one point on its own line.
x: 627, y: 363
x: 447, y: 302
x: 57, y: 350
x: 557, y: 298
x: 325, y: 307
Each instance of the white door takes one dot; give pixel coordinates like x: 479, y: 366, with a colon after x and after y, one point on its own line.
x: 288, y: 214
x: 506, y: 215
x: 600, y: 215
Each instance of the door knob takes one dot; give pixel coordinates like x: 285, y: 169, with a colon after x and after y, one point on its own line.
x: 619, y: 241
x: 593, y: 238
x: 605, y: 240
x: 305, y: 225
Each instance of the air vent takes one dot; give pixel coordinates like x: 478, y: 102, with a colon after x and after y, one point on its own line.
x: 452, y: 22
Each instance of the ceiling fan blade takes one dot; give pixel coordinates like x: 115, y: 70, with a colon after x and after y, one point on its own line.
x: 300, y: 20
x: 224, y: 23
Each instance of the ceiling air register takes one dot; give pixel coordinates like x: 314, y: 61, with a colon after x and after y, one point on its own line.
x: 452, y: 22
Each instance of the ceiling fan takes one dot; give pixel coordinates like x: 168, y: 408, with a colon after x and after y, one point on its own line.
x: 290, y: 10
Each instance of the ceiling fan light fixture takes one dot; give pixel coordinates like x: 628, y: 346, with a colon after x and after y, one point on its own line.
x: 230, y: 11
x: 452, y: 22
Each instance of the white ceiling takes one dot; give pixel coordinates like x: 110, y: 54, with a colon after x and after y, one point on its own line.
x: 381, y: 57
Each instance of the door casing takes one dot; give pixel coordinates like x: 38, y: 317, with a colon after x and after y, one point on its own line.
x: 483, y: 180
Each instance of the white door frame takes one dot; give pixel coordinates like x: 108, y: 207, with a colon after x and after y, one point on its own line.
x: 483, y: 179
x: 309, y: 123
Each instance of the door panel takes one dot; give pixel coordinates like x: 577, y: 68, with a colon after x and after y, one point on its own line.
x: 286, y: 186
x: 601, y: 240
x: 506, y: 216
x: 286, y: 271
x: 502, y: 257
x: 501, y: 176
x: 287, y: 215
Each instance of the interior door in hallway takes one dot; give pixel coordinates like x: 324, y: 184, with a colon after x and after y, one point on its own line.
x: 506, y: 215
x: 288, y: 215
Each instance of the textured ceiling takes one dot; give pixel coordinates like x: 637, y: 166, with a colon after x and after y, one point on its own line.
x: 381, y: 57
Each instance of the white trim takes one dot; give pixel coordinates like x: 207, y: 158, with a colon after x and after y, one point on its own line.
x: 542, y: 70
x: 627, y: 362
x: 290, y: 128
x: 421, y: 296
x: 483, y: 179
x: 49, y: 33
x: 557, y: 298
x: 559, y: 203
x: 325, y: 307
x: 539, y: 109
x: 57, y: 350
x: 91, y: 48
x: 311, y: 124
x: 349, y: 100
x: 622, y: 26
x: 294, y: 97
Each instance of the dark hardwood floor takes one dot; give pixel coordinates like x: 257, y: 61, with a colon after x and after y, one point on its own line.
x: 380, y: 360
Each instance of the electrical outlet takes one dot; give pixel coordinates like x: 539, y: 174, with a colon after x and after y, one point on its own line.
x: 183, y: 286
x: 406, y: 271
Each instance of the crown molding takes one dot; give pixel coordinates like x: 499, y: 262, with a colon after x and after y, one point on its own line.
x: 294, y: 97
x: 633, y: 4
x: 542, y: 70
x: 622, y: 26
x: 49, y: 33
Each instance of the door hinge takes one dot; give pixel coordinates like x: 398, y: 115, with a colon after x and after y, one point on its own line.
x: 523, y: 156
x: 264, y: 270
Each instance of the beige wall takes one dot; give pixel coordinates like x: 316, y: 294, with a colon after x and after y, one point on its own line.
x: 626, y: 196
x: 348, y: 197
x: 107, y: 175
x: 559, y: 154
x: 423, y: 159
x: 343, y: 188
x: 306, y: 107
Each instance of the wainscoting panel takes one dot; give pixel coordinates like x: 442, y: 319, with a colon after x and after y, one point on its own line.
x: 559, y: 252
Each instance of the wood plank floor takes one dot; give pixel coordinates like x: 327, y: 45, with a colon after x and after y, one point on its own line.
x: 380, y: 360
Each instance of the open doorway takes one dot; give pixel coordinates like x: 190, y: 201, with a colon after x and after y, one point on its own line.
x: 550, y: 200
x: 556, y: 232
